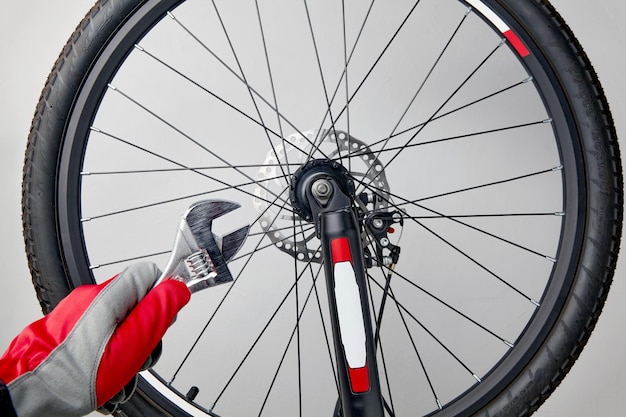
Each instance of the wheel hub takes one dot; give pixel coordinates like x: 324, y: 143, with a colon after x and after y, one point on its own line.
x: 275, y: 186
x: 313, y: 178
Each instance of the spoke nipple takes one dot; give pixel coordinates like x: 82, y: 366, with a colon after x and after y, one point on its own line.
x: 85, y: 173
x: 92, y: 267
x: 95, y: 129
x: 477, y: 378
x: 560, y: 213
x: 548, y: 120
x: 170, y: 14
x: 536, y: 303
x: 527, y: 80
x: 139, y: 47
x: 85, y: 219
x: 439, y: 404
x: 509, y: 344
x: 559, y: 168
x: 551, y: 259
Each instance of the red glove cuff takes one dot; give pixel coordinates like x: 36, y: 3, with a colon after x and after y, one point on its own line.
x: 135, y: 339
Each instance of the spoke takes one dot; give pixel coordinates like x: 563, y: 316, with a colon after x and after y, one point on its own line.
x: 149, y: 205
x: 358, y: 37
x: 321, y: 314
x: 428, y: 331
x: 489, y: 184
x: 380, y: 56
x: 294, y: 333
x: 455, y: 220
x: 260, y: 248
x: 475, y: 262
x: 180, y: 198
x: 189, y: 138
x: 206, y: 90
x: 450, y: 138
x: 378, y: 320
x: 425, y: 80
x: 266, y: 129
x: 252, y: 89
x: 445, y: 304
x: 298, y: 315
x: 419, y: 90
x: 346, y: 78
x: 271, y: 78
x: 223, y: 300
x: 322, y: 78
x: 281, y: 229
x: 464, y: 254
x: 478, y: 216
x: 203, y: 168
x: 232, y: 48
x: 465, y: 106
x: 387, y: 291
x: 228, y: 186
x: 135, y: 258
x: 260, y: 335
x: 430, y: 119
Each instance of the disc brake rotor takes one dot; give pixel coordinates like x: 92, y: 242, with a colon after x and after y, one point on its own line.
x: 287, y: 230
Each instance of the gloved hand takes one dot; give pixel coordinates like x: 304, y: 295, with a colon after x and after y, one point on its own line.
x: 91, y: 346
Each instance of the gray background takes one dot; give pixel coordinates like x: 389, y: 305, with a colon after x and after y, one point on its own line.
x: 32, y: 32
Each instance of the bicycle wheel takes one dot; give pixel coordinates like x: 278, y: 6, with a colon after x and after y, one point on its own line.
x: 477, y: 135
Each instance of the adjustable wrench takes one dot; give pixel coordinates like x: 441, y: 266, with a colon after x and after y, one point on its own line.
x: 199, y: 256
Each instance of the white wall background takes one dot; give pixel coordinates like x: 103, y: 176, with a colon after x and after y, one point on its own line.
x: 32, y: 33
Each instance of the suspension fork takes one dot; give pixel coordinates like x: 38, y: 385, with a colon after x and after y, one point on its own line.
x: 337, y: 227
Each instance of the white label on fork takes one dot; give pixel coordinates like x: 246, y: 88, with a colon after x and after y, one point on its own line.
x: 351, y: 324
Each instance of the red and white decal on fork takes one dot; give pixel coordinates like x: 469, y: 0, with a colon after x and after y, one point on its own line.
x: 510, y: 36
x: 350, y: 315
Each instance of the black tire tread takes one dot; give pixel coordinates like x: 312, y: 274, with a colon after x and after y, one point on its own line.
x: 45, y: 134
x: 551, y: 364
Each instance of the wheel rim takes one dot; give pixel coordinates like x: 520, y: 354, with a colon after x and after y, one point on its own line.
x: 98, y: 232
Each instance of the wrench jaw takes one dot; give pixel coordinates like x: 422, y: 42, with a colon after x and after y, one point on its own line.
x: 199, y: 257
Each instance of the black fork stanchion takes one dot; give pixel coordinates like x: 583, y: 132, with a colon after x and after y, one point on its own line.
x: 332, y: 211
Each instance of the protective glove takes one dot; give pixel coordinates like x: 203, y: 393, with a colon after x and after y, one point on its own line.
x: 91, y: 346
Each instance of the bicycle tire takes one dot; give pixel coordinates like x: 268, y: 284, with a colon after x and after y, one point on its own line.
x: 565, y: 330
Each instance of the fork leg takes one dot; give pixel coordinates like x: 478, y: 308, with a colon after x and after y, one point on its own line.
x: 350, y: 314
